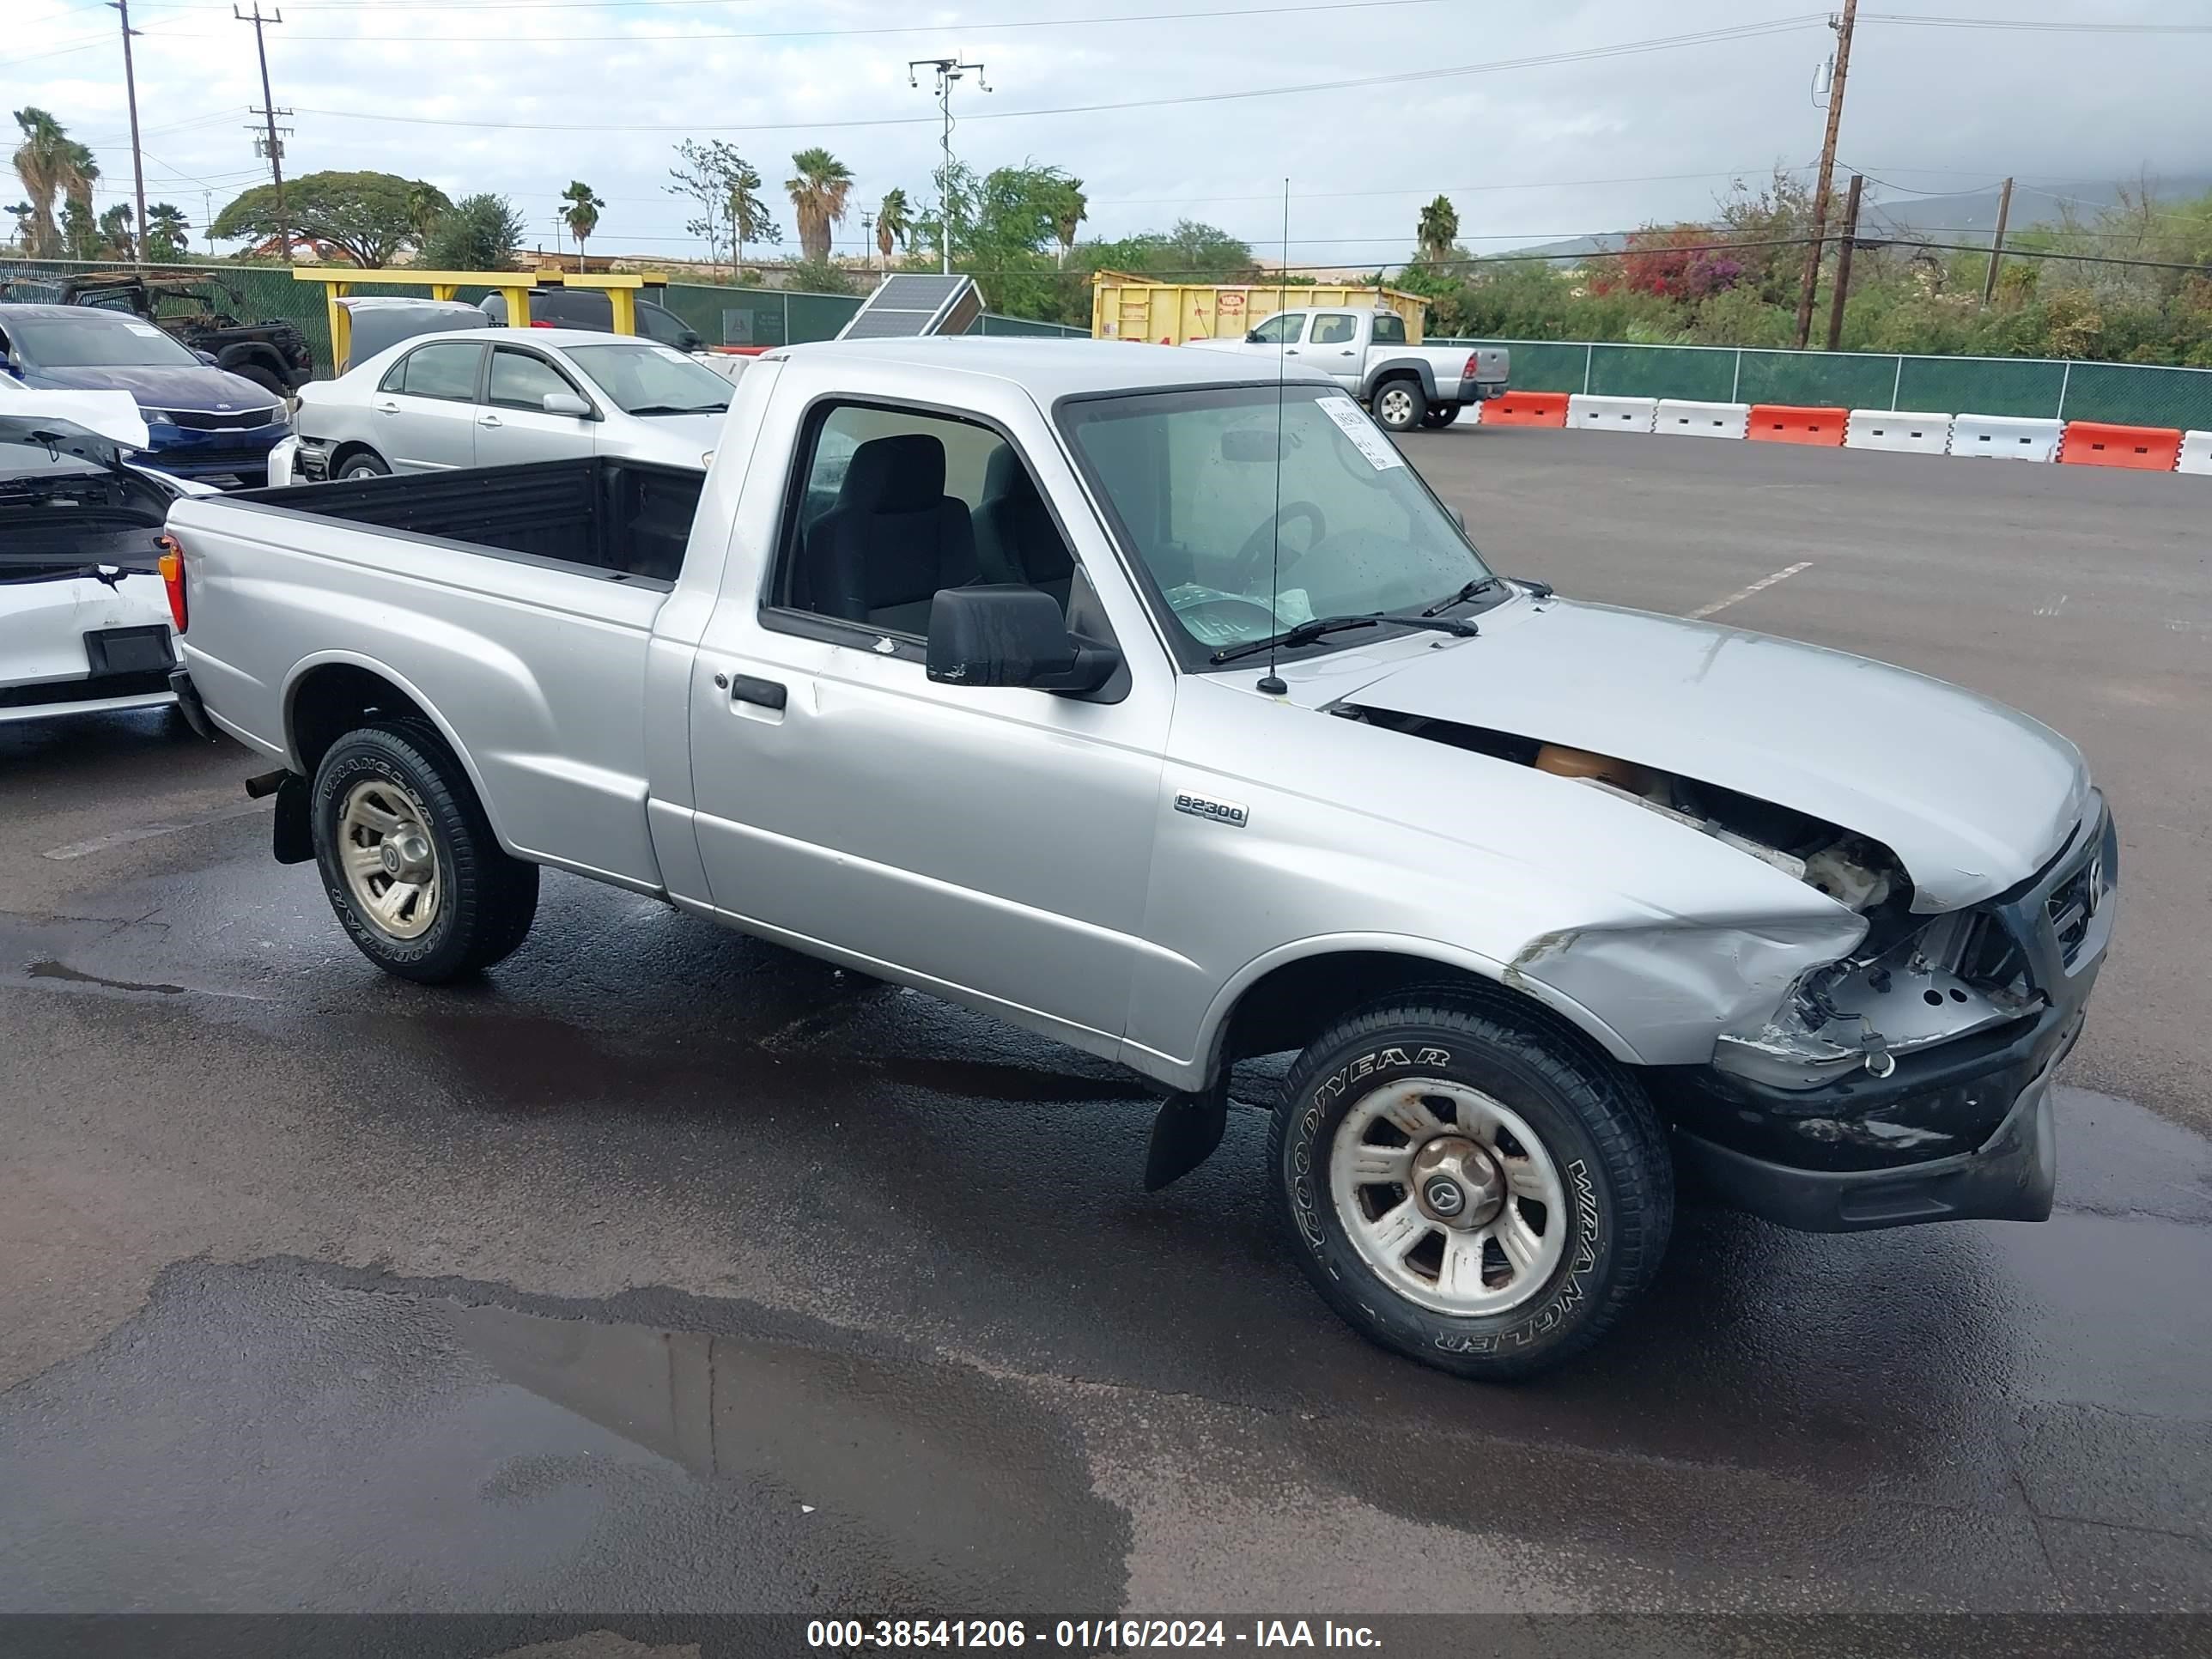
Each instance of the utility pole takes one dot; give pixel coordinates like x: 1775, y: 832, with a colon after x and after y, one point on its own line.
x: 867, y: 242
x: 1996, y: 242
x: 949, y: 71
x: 1843, y: 27
x: 137, y: 163
x: 269, y: 112
x: 1843, y: 262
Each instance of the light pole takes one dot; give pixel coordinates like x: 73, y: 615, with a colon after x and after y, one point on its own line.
x: 947, y: 71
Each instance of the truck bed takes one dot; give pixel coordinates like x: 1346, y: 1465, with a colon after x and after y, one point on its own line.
x: 631, y: 519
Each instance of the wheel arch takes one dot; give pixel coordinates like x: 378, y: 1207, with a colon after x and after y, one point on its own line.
x: 1283, y: 1000
x: 350, y: 448
x: 334, y: 692
x: 1402, y: 368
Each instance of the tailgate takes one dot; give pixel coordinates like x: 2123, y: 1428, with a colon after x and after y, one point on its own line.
x: 1491, y: 364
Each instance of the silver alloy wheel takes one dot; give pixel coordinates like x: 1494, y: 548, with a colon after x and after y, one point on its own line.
x: 1396, y: 406
x: 360, y: 470
x: 389, y: 858
x: 1449, y: 1196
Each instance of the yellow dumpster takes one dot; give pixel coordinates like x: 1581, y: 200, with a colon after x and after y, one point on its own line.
x: 1125, y: 307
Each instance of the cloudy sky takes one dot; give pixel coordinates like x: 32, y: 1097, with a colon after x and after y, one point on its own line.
x: 1530, y: 118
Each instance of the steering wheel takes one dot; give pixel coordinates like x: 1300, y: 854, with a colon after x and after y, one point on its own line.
x: 1266, y: 533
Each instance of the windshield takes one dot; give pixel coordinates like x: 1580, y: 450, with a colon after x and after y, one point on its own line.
x: 1189, y: 477
x: 95, y: 342
x: 651, y: 379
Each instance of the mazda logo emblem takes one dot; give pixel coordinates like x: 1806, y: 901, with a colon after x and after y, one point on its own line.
x: 1445, y: 1197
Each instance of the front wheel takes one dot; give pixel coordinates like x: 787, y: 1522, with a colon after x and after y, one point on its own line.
x: 1400, y: 405
x: 362, y: 464
x: 1476, y: 1191
x: 410, y: 862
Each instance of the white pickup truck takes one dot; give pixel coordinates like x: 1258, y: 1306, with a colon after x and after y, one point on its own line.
x: 1159, y: 705
x: 1365, y: 352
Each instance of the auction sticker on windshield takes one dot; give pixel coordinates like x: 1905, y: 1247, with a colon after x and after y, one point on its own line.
x: 1380, y: 452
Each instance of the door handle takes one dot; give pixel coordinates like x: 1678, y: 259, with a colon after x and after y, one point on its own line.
x: 1290, y: 351
x: 491, y: 420
x: 768, y: 694
x: 1348, y: 353
x: 388, y: 409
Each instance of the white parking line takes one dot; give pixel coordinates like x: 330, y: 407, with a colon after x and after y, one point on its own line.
x: 1759, y: 587
x: 78, y: 849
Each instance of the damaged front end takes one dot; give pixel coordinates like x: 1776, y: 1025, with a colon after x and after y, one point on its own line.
x: 1891, y: 1068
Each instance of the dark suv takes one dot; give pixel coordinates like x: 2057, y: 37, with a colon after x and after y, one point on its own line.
x: 589, y: 307
x: 201, y: 312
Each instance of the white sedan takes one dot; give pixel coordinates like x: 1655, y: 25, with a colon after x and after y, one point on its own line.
x: 500, y: 397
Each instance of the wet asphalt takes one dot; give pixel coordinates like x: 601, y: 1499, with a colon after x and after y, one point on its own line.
x: 664, y: 1272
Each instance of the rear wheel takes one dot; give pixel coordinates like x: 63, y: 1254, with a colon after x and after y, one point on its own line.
x: 1441, y: 416
x: 409, y: 861
x: 1474, y: 1190
x: 1400, y: 405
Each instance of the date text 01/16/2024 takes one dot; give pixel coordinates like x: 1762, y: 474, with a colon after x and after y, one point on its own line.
x: 1084, y: 1635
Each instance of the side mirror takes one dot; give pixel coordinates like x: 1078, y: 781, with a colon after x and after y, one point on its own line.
x: 1253, y: 338
x: 567, y: 403
x: 1012, y: 635
x: 208, y: 357
x: 1459, y: 518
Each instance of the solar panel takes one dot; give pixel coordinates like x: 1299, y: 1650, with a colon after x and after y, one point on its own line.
x: 909, y: 306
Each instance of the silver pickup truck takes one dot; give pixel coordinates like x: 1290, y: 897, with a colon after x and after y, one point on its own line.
x: 1150, y: 704
x: 1366, y: 352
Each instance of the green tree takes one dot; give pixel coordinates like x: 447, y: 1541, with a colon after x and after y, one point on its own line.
x: 367, y: 217
x: 1439, y: 230
x: 894, y: 222
x: 818, y: 186
x: 581, y: 215
x: 169, y: 234
x: 51, y: 164
x: 116, y: 240
x: 478, y: 233
x: 702, y: 175
x: 1069, y: 208
x: 748, y: 214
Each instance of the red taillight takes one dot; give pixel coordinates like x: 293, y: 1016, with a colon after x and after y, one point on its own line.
x: 536, y: 322
x: 1474, y: 369
x: 172, y: 567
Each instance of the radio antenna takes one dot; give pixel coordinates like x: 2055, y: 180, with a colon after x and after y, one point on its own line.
x: 1271, y: 683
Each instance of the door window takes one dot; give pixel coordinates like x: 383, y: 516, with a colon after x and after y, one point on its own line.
x: 1335, y: 328
x: 1390, y: 329
x: 446, y: 371
x: 893, y: 504
x: 1282, y: 329
x: 522, y: 379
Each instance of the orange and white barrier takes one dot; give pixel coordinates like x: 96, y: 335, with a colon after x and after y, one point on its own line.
x: 2006, y: 437
x: 2196, y: 453
x: 1594, y: 413
x: 2100, y: 443
x: 1899, y: 431
x: 1686, y: 418
x: 1795, y: 423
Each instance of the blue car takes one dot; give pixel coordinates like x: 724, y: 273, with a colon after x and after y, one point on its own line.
x: 204, y: 422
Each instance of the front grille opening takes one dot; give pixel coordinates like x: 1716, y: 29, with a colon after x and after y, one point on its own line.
x: 1990, y: 956
x: 2070, y: 909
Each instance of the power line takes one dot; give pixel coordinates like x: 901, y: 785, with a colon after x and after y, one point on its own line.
x: 2031, y: 26
x: 1668, y: 42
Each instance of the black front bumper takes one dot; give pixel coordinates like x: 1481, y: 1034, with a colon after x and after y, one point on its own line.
x: 1960, y: 1131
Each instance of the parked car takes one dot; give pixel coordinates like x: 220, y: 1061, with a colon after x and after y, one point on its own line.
x: 201, y: 422
x: 201, y: 312
x: 495, y: 397
x: 1157, y: 706
x: 84, y: 623
x: 380, y: 321
x: 589, y: 307
x: 1365, y: 353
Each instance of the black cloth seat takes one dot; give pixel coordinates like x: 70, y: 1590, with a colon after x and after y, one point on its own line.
x: 1015, y: 538
x: 894, y: 538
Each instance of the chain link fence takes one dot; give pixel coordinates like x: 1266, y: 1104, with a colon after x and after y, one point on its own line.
x: 723, y: 316
x: 2129, y: 393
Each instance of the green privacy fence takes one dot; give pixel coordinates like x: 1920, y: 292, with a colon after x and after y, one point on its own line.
x: 723, y: 316
x: 2130, y: 393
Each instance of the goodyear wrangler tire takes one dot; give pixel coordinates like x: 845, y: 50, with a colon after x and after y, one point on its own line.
x: 1471, y: 1189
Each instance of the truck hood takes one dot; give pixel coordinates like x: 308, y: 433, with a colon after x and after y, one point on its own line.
x: 95, y: 426
x: 1971, y: 795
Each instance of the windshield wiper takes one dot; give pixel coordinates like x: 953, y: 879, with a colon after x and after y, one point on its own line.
x: 1480, y: 584
x: 679, y: 409
x: 1307, y: 632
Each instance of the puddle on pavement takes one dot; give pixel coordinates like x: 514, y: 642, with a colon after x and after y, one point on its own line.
x: 284, y: 1434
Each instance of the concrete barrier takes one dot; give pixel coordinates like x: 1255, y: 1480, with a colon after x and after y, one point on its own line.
x: 1526, y: 409
x: 1899, y: 430
x: 2196, y: 453
x: 2006, y: 437
x: 1600, y: 414
x: 1797, y: 423
x: 1687, y: 418
x: 2101, y: 443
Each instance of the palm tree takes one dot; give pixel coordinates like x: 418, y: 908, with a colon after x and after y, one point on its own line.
x: 50, y: 163
x: 1438, y: 230
x: 749, y: 219
x: 819, y: 187
x: 894, y: 222
x: 1070, y: 207
x: 116, y: 239
x: 426, y: 204
x: 582, y: 214
x: 169, y: 233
